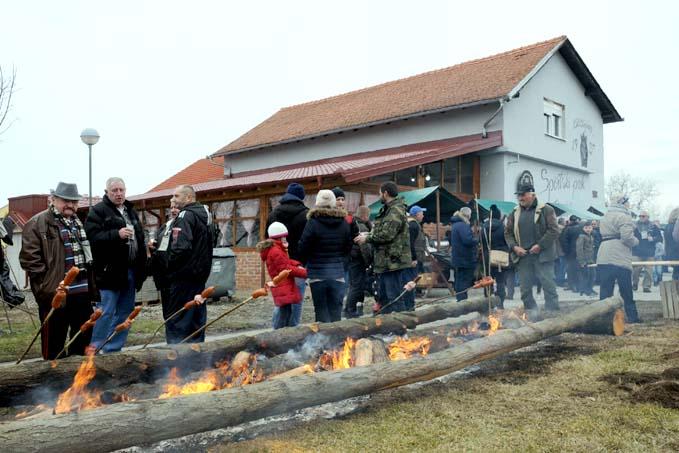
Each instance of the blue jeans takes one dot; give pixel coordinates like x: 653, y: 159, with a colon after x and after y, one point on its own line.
x: 328, y: 296
x: 116, y: 306
x: 282, y: 316
x: 296, y: 316
x: 390, y: 286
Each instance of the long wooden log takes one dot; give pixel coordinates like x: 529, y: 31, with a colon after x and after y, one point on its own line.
x: 127, y: 424
x: 146, y: 365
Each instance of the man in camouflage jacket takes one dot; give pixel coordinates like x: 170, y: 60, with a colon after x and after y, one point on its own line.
x: 391, y: 243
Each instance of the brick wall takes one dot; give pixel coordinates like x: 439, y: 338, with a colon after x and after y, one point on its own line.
x: 430, y: 230
x: 248, y: 270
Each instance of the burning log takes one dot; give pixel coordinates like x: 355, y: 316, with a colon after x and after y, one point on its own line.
x: 132, y: 366
x: 155, y: 420
x: 369, y: 351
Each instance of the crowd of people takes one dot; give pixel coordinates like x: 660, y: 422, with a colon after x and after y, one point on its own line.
x: 337, y: 254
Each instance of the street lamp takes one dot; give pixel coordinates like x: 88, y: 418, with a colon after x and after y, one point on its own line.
x: 90, y: 137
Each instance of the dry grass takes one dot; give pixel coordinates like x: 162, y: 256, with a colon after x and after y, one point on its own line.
x: 549, y: 398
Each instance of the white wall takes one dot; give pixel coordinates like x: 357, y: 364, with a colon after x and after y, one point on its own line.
x: 523, y: 133
x: 493, y: 176
x: 433, y: 127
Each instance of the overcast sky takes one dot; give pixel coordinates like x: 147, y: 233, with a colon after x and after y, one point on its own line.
x: 166, y: 83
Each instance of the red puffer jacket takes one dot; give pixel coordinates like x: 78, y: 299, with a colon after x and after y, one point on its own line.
x: 275, y: 255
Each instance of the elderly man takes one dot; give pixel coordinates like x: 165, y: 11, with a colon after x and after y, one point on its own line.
x: 614, y: 262
x: 465, y: 251
x: 648, y: 235
x: 391, y: 244
x: 53, y: 242
x: 119, y: 252
x: 531, y: 234
x: 189, y: 261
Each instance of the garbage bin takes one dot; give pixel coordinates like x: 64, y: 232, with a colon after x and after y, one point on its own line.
x: 223, y: 272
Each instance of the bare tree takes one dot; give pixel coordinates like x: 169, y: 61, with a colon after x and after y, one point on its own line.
x: 642, y: 192
x: 6, y: 92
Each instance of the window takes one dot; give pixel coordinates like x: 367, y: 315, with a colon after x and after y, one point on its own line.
x: 450, y: 169
x: 554, y: 119
x: 432, y: 174
x: 407, y: 177
x: 467, y: 174
x: 238, y: 221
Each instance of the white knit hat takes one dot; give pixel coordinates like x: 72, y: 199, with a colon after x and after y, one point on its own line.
x: 325, y: 199
x: 277, y: 230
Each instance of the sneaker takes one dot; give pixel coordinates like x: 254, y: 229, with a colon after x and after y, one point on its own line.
x: 635, y: 287
x: 647, y: 290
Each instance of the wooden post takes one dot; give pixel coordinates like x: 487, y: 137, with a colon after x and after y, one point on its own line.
x: 438, y: 220
x: 669, y: 296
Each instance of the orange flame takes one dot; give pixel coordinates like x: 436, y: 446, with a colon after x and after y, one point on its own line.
x: 78, y: 397
x: 494, y: 324
x: 224, y: 376
x: 404, y: 348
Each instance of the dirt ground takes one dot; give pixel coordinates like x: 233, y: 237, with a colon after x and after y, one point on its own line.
x: 572, y: 392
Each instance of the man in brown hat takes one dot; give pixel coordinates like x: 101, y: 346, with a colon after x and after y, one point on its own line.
x: 53, y: 242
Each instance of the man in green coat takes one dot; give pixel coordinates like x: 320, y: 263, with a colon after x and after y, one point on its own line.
x: 390, y: 239
x: 531, y: 235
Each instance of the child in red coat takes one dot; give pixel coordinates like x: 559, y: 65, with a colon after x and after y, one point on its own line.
x: 274, y: 253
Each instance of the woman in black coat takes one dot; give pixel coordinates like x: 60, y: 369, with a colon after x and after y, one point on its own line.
x: 324, y: 247
x: 497, y: 242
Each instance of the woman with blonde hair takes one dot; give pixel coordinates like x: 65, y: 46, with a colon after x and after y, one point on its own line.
x: 672, y: 240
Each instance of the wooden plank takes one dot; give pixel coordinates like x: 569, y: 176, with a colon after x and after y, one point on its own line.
x: 675, y: 298
x: 663, y: 300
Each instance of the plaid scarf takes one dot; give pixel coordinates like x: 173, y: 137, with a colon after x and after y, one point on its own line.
x: 73, y: 234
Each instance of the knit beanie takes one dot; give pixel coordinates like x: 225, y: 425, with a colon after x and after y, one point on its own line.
x: 325, y: 199
x: 495, y: 212
x: 338, y: 192
x: 296, y: 189
x: 277, y: 230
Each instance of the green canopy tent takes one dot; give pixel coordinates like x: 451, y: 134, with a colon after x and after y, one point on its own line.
x: 426, y: 198
x: 505, y: 207
x: 562, y: 209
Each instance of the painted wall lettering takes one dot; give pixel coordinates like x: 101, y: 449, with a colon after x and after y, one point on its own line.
x: 561, y: 182
x: 582, y: 140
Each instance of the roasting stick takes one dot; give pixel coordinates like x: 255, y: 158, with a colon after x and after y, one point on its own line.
x: 649, y: 263
x: 198, y: 300
x: 255, y: 295
x: 483, y: 255
x: 125, y: 325
x: 406, y: 289
x: 57, y: 302
x: 486, y: 281
x: 87, y: 325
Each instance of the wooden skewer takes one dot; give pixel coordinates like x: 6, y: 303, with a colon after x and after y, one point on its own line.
x: 207, y: 292
x: 57, y: 302
x: 125, y: 325
x: 84, y: 328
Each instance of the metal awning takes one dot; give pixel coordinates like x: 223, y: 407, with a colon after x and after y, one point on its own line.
x: 562, y: 209
x: 426, y: 198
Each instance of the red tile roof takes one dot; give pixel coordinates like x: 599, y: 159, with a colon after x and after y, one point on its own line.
x: 477, y: 81
x: 352, y: 168
x: 200, y: 171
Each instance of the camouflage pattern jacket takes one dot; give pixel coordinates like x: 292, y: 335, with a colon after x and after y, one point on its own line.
x: 390, y: 238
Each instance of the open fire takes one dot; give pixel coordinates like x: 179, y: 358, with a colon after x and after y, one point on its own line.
x: 244, y: 370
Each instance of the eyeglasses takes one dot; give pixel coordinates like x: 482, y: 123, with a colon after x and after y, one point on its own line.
x: 644, y: 216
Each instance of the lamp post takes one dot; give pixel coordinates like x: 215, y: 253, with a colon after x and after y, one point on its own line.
x: 90, y: 137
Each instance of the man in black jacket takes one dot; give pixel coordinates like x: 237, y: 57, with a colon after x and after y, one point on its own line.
x: 292, y: 212
x: 189, y: 260
x: 159, y: 248
x: 568, y: 238
x: 648, y: 235
x: 119, y: 253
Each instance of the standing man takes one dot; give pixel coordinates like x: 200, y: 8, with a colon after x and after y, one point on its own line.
x: 119, y: 253
x: 531, y: 234
x: 615, y: 254
x: 465, y: 252
x: 672, y: 240
x: 189, y: 260
x: 360, y: 260
x: 53, y: 242
x: 560, y: 262
x: 159, y: 249
x: 391, y: 244
x: 648, y: 235
x: 568, y: 238
x: 418, y: 247
x: 291, y: 212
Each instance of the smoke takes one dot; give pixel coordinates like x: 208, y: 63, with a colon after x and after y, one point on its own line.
x: 311, y: 347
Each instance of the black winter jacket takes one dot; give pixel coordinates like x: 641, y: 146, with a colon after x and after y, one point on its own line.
x: 497, y: 236
x: 671, y: 246
x: 326, y: 243
x: 646, y: 247
x: 110, y: 252
x: 292, y: 213
x: 568, y: 238
x: 189, y: 256
x: 159, y: 260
